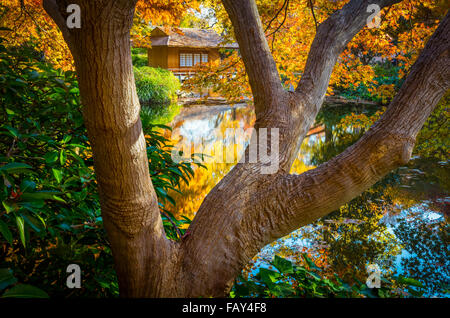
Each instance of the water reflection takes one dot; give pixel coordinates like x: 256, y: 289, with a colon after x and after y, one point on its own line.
x: 399, y: 224
x: 205, y: 126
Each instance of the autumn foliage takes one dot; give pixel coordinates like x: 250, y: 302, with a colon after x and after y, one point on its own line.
x: 27, y: 22
x: 290, y: 27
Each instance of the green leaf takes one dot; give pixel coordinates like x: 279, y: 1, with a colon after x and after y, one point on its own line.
x: 15, y: 167
x: 8, y: 207
x: 283, y: 265
x: 308, y: 261
x: 25, y: 291
x: 57, y: 174
x: 51, y: 157
x: 6, y: 278
x: 74, y: 90
x: 268, y: 276
x: 26, y: 185
x: 314, y: 275
x: 282, y: 290
x: 409, y: 281
x: 62, y: 157
x: 6, y: 232
x: 42, y: 195
x: 21, y: 228
x: 35, y: 224
x: 55, y: 198
x: 415, y: 293
x: 66, y: 139
x: 13, y: 131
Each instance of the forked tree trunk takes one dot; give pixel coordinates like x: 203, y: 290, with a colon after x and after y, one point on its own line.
x: 247, y: 209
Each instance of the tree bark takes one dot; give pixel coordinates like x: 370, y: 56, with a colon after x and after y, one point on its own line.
x: 102, y: 54
x: 247, y: 209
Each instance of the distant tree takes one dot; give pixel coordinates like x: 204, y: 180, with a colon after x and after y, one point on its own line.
x: 29, y: 22
x: 289, y: 27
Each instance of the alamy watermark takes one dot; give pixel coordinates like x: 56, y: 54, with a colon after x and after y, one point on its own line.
x: 73, y: 20
x: 74, y: 279
x: 374, y: 279
x: 374, y: 20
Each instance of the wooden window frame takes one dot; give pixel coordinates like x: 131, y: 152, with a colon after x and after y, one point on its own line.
x: 192, y: 54
x: 185, y: 53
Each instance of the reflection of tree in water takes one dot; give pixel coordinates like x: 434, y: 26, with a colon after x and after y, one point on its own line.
x: 426, y: 179
x: 192, y: 194
x: 427, y: 242
x: 349, y: 239
x: 354, y: 236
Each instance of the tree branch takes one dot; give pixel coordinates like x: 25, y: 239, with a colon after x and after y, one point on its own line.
x: 53, y: 10
x: 274, y: 32
x: 249, y: 210
x: 331, y: 38
x: 311, y: 5
x: 259, y: 63
x: 386, y: 146
x: 275, y: 16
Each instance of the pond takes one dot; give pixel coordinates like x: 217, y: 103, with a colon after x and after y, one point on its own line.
x: 400, y: 224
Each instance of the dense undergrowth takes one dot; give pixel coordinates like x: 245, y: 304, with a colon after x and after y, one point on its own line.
x: 157, y: 90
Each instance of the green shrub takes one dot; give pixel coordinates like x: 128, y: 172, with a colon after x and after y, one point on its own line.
x: 157, y: 90
x: 286, y: 279
x: 156, y: 87
x: 139, y: 57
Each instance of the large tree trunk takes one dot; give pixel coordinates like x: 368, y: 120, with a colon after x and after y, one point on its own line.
x: 247, y: 209
x: 102, y: 54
